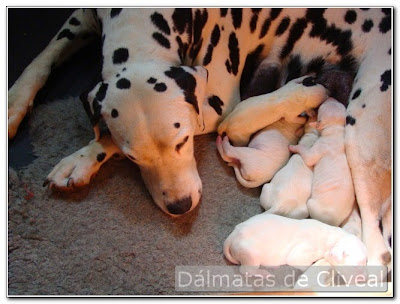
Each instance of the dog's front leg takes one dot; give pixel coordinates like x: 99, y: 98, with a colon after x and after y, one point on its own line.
x: 69, y: 39
x: 258, y: 112
x: 77, y: 169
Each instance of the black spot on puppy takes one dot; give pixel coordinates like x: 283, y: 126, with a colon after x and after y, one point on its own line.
x: 161, y: 39
x: 356, y: 94
x: 115, y: 12
x: 123, y: 84
x: 120, y: 55
x: 350, y: 120
x: 101, y: 157
x: 187, y: 83
x: 350, y: 17
x: 216, y: 102
x: 74, y: 21
x: 236, y: 17
x: 283, y: 26
x: 66, y: 33
x: 151, y: 80
x: 101, y: 93
x: 160, y: 22
x: 386, y: 79
x: 160, y: 87
x: 114, y: 113
x: 367, y: 25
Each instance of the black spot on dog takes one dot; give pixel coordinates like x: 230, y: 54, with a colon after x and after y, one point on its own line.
x: 195, y: 50
x: 216, y: 103
x: 356, y: 94
x: 182, y: 48
x: 386, y: 79
x: 274, y: 13
x: 161, y: 39
x: 124, y: 69
x: 233, y: 46
x: 296, y: 31
x: 363, y: 106
x: 160, y: 22
x: 387, y: 11
x: 350, y: 120
x: 151, y: 80
x: 367, y: 25
x: 253, y: 22
x: 96, y: 112
x: 66, y: 33
x: 187, y: 83
x: 182, y: 19
x: 114, y: 113
x: 74, y: 21
x: 380, y: 225
x: 228, y: 66
x: 265, y: 27
x: 348, y: 64
x: 364, y: 8
x: 223, y: 12
x: 390, y: 51
x: 200, y: 20
x: 385, y: 24
x: 294, y: 68
x: 350, y: 17
x: 316, y: 17
x: 315, y: 65
x: 237, y: 15
x: 208, y: 56
x: 115, y: 12
x: 101, y: 157
x: 265, y: 80
x: 101, y: 93
x: 123, y: 84
x: 253, y: 60
x: 160, y: 87
x: 177, y: 125
x: 309, y: 82
x: 215, y: 35
x: 256, y: 9
x: 120, y: 55
x: 283, y: 26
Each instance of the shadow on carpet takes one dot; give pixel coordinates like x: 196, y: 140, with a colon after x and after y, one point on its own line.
x: 110, y: 238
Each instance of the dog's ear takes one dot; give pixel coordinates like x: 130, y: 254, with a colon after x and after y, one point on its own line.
x: 91, y: 101
x: 193, y: 83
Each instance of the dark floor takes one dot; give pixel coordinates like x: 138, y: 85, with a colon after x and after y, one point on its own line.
x: 29, y: 32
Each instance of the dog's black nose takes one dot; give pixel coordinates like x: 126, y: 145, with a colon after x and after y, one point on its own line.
x: 181, y: 206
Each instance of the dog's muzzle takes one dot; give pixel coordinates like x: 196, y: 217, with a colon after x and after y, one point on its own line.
x: 180, y: 206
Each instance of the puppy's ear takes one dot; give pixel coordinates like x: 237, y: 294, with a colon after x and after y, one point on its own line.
x: 92, y: 104
x: 193, y: 82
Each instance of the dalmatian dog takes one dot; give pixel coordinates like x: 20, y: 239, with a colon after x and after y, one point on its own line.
x: 169, y: 74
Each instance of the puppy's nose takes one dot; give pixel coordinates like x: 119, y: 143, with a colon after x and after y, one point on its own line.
x: 180, y: 206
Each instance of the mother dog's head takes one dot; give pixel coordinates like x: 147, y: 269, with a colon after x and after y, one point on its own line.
x: 152, y: 118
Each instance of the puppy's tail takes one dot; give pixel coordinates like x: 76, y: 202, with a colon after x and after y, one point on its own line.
x: 227, y: 251
x: 244, y: 182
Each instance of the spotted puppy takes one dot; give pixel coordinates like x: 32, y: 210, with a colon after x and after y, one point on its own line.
x: 332, y: 197
x: 266, y: 153
x: 290, y: 188
x: 155, y: 95
x: 273, y: 240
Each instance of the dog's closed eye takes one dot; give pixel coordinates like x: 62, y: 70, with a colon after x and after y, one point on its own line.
x: 180, y: 145
x: 131, y: 158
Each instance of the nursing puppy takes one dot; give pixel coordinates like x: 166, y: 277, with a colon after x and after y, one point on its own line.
x: 290, y: 188
x: 266, y: 153
x: 273, y: 240
x: 332, y: 197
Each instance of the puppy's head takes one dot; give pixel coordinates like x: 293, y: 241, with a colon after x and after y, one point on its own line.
x: 348, y: 251
x: 330, y: 113
x: 153, y: 118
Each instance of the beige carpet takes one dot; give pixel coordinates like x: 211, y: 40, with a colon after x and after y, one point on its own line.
x: 111, y: 239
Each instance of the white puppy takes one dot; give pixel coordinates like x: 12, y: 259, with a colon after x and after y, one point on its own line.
x: 273, y: 240
x: 332, y: 197
x: 289, y: 190
x: 266, y: 153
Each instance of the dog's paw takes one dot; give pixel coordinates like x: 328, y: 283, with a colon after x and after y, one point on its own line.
x: 74, y: 171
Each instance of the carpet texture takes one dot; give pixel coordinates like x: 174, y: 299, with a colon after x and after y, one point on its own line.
x: 110, y: 238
